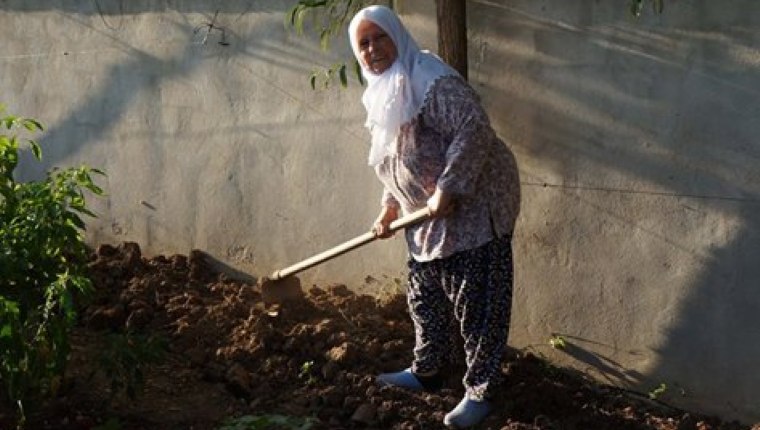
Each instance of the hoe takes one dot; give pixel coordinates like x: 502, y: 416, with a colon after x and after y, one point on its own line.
x: 282, y: 286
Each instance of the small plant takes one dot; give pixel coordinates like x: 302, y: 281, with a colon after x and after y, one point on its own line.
x: 657, y: 392
x: 307, y: 372
x: 557, y: 342
x: 42, y: 267
x: 124, y: 357
x: 261, y: 422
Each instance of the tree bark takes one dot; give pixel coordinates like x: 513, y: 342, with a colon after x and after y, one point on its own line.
x: 452, y: 33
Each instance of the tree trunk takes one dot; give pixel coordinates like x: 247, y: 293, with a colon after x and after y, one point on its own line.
x: 452, y: 33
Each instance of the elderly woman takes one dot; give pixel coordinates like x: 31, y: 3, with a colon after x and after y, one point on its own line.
x: 433, y: 145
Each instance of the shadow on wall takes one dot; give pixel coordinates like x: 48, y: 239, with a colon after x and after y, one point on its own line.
x: 714, y: 344
x: 104, y: 108
x: 143, y: 74
x: 673, y: 103
x: 172, y: 119
x: 598, y: 364
x: 130, y: 117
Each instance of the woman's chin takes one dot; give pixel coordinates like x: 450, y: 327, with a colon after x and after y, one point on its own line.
x: 380, y: 68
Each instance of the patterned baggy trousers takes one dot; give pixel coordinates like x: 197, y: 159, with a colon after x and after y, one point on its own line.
x: 471, y: 289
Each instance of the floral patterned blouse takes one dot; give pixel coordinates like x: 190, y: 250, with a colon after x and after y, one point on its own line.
x: 450, y: 144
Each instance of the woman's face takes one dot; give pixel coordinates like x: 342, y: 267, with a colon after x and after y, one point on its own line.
x: 376, y: 49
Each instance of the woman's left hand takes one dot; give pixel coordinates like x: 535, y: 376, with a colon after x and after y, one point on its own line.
x: 440, y: 203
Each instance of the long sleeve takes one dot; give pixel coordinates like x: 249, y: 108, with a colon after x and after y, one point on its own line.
x: 388, y: 200
x: 450, y: 144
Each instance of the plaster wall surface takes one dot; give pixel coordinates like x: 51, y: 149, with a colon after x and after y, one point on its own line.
x: 636, y: 141
x: 637, y: 144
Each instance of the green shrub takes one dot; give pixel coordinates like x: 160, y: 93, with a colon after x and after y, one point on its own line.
x: 42, y: 267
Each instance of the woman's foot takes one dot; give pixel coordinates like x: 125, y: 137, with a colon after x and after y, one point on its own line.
x: 410, y: 381
x: 467, y: 413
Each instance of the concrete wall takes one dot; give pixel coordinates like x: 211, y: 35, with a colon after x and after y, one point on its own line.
x: 636, y: 141
x: 222, y: 148
x: 639, y: 155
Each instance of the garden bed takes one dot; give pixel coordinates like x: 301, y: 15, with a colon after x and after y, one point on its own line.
x: 232, y: 359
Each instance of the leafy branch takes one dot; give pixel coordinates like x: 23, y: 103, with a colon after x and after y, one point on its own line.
x: 328, y: 18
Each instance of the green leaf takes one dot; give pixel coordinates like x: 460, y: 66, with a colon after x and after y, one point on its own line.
x: 313, y: 81
x: 9, y: 306
x: 6, y: 331
x: 77, y: 202
x: 10, y: 121
x: 658, y: 391
x: 12, y: 160
x: 32, y: 124
x: 95, y: 189
x: 36, y: 150
x: 358, y: 71
x: 86, y: 211
x: 290, y: 17
x: 300, y: 14
x: 342, y: 74
x: 557, y: 342
x: 324, y: 40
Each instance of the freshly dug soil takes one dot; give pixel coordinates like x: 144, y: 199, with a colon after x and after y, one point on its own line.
x: 230, y: 355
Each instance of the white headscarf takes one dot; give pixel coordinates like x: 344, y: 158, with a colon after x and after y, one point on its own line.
x: 396, y: 96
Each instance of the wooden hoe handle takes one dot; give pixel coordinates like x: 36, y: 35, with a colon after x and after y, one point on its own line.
x: 403, y: 222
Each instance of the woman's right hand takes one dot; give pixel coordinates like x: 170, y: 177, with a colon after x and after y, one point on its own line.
x: 382, y: 225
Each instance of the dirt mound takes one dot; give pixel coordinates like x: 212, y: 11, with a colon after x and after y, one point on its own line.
x: 230, y: 355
